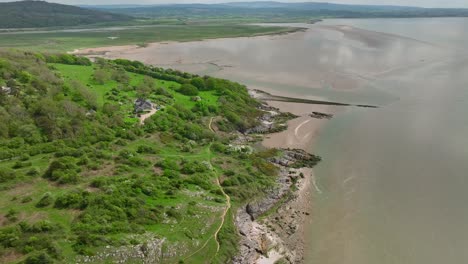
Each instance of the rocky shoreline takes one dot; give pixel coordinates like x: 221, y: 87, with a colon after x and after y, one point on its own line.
x: 277, y: 235
x: 272, y: 229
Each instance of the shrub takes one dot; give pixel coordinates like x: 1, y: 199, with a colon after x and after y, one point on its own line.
x: 45, y: 201
x: 43, y: 226
x: 101, y: 76
x: 26, y: 199
x: 229, y: 173
x: 188, y: 89
x: 12, y: 215
x: 73, y: 200
x: 199, y: 83
x: 167, y: 163
x: 147, y: 149
x: 192, y: 167
x: 33, y: 172
x: 63, y: 170
x: 41, y: 258
x: 7, y: 175
x: 174, y: 213
x: 19, y: 164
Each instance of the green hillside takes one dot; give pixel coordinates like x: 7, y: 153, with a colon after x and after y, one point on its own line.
x: 34, y: 14
x: 81, y: 178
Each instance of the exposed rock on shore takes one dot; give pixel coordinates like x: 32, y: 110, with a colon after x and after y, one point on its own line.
x: 278, y: 232
x: 320, y: 115
x: 271, y: 122
x: 296, y: 158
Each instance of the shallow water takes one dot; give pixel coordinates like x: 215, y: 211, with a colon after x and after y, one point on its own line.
x: 394, y: 179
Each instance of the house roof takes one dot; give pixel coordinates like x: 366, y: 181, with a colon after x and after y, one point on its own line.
x: 143, y: 105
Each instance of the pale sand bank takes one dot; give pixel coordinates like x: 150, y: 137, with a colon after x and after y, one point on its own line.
x: 303, y: 131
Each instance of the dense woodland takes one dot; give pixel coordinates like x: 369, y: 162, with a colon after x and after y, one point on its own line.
x: 78, y: 173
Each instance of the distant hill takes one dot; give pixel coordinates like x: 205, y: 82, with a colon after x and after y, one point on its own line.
x: 278, y: 10
x: 33, y: 14
x: 319, y: 6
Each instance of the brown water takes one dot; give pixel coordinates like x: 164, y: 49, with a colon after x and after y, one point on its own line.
x: 394, y: 180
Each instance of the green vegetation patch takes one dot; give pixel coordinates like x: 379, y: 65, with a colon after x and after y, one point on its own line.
x: 81, y: 175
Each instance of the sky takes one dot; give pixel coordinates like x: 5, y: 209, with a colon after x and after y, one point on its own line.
x: 422, y: 3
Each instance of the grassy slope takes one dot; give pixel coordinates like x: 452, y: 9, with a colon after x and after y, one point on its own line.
x: 68, y: 41
x: 192, y: 230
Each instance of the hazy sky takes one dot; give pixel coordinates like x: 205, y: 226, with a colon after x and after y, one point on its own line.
x: 424, y: 3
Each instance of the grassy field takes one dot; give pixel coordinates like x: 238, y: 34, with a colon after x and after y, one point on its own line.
x: 61, y: 41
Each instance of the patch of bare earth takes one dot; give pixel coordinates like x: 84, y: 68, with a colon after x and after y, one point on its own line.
x: 3, y: 220
x: 10, y: 256
x: 104, y: 170
x: 21, y: 190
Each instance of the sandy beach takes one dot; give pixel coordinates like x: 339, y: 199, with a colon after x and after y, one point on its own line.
x: 303, y: 131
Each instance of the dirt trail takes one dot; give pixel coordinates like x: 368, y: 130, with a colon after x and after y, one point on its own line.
x: 223, y: 216
x: 211, y: 123
x: 147, y: 115
x: 228, y: 200
x: 226, y: 210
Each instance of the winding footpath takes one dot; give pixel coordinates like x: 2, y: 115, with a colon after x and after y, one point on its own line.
x: 226, y: 210
x: 228, y: 200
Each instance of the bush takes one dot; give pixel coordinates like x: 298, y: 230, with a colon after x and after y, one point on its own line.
x: 229, y: 173
x: 26, y: 199
x: 147, y: 149
x: 45, y: 201
x: 12, y: 215
x: 188, y: 89
x: 41, y: 258
x: 63, y: 170
x: 167, y: 163
x: 174, y: 213
x: 19, y: 164
x: 7, y: 175
x: 199, y: 83
x: 101, y: 76
x: 192, y: 167
x: 73, y: 200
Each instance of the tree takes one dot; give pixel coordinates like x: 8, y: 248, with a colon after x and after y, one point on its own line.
x: 24, y: 77
x: 120, y: 76
x: 210, y: 84
x: 82, y: 93
x: 188, y: 89
x: 30, y: 133
x: 145, y: 88
x: 199, y: 83
x: 101, y: 76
